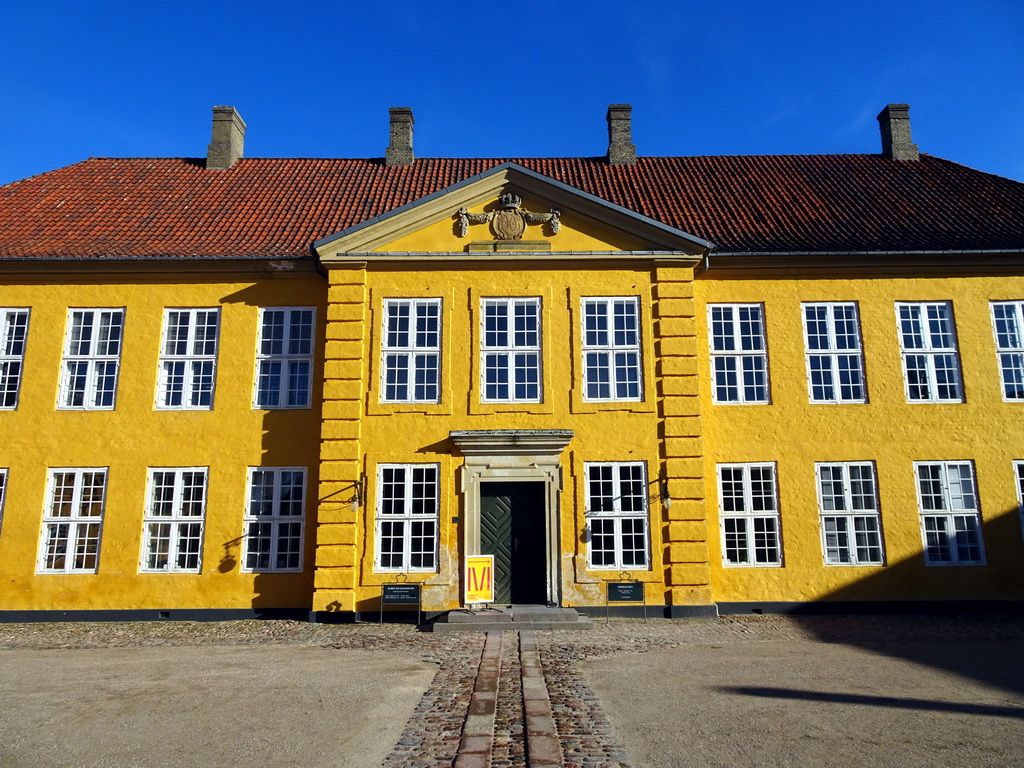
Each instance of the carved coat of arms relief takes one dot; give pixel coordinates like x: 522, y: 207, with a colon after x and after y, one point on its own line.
x: 509, y: 221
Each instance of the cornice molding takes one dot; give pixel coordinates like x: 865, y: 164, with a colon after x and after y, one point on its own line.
x: 462, y: 258
x: 51, y: 267
x: 864, y: 263
x: 510, y: 442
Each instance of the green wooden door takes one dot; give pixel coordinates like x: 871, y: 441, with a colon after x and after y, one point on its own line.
x: 512, y: 529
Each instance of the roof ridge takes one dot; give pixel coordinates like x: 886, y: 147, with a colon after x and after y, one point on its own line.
x: 513, y: 158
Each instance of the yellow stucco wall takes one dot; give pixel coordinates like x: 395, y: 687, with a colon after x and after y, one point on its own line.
x: 133, y: 437
x: 886, y: 430
x: 676, y: 430
x: 418, y: 433
x: 360, y: 432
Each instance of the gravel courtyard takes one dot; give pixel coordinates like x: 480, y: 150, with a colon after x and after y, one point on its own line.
x: 736, y: 691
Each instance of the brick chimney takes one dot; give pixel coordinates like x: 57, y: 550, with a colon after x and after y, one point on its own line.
x: 228, y: 138
x: 894, y: 122
x: 621, y: 149
x: 400, y: 149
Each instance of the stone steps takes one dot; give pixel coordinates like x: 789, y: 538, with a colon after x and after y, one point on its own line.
x: 512, y: 618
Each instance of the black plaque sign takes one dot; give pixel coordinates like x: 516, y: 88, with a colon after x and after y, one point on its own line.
x: 625, y: 592
x: 400, y: 593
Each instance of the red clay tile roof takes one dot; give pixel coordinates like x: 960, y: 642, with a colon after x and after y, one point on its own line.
x: 174, y: 207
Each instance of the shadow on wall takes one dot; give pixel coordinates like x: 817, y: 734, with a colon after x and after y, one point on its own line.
x: 979, y: 586
x: 984, y: 647
x: 286, y: 435
x: 291, y: 438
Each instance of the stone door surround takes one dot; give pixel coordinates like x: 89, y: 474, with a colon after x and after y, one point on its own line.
x: 514, y: 455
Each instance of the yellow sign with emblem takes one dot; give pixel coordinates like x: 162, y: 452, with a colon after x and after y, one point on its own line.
x: 479, y: 579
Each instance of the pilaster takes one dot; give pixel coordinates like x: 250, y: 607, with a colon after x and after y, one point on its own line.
x: 687, y: 565
x: 341, y: 493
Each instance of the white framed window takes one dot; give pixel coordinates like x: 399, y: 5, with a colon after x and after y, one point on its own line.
x: 748, y: 503
x: 73, y: 520
x: 13, y: 333
x: 851, y: 529
x: 274, y: 517
x: 92, y: 358
x: 188, y: 359
x: 411, y: 368
x: 284, y: 358
x: 739, y: 355
x: 617, y: 515
x: 1008, y: 325
x: 931, y: 362
x: 174, y: 520
x: 1018, y: 468
x: 510, y: 350
x: 407, y: 517
x: 950, y: 519
x: 835, y: 362
x: 3, y: 495
x: 611, y: 349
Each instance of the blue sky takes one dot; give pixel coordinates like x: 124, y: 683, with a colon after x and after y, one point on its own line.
x: 315, y: 79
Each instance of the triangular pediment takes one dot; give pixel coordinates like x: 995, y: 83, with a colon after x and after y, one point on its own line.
x: 469, y: 219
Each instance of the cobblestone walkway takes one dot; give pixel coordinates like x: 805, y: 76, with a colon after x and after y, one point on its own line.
x: 508, y: 700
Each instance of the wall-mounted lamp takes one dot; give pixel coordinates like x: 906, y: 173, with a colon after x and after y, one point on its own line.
x: 358, y: 492
x: 666, y: 500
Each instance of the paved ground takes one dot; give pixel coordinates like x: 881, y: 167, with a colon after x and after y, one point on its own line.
x: 232, y: 706
x: 812, y: 704
x: 735, y: 691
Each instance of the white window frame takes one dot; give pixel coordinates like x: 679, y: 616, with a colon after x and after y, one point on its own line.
x: 921, y: 326
x: 91, y: 365
x: 956, y: 521
x: 517, y: 361
x: 191, y: 347
x: 274, y: 521
x: 1008, y: 328
x: 734, y: 368
x: 612, y: 358
x: 745, y: 519
x: 72, y: 531
x: 14, y: 322
x: 180, y: 516
x: 833, y: 355
x: 402, y: 560
x: 410, y: 372
x: 848, y: 504
x: 294, y: 356
x: 1018, y: 468
x: 3, y: 495
x: 621, y: 516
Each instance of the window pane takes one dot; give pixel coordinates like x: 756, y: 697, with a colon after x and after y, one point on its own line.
x: 510, y: 350
x: 617, y: 498
x: 739, y: 364
x: 735, y: 540
x: 749, y: 517
x: 284, y: 364
x: 175, y: 519
x: 72, y: 520
x: 407, y: 517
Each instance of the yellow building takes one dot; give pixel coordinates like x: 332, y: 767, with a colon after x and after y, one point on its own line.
x: 234, y: 387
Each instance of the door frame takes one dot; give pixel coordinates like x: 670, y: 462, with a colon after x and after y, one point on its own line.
x: 509, y: 456
x: 526, y: 543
